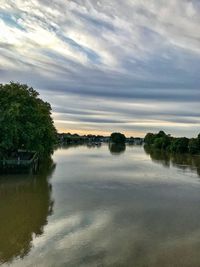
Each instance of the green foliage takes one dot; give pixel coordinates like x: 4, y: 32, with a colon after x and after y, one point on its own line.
x: 25, y: 120
x: 175, y: 145
x: 158, y: 143
x: 149, y: 138
x: 117, y: 138
x: 161, y: 134
x: 193, y: 146
x: 162, y: 142
x: 179, y: 145
x: 198, y: 139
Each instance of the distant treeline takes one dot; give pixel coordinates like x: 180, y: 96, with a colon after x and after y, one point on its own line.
x: 168, y: 143
x: 68, y: 138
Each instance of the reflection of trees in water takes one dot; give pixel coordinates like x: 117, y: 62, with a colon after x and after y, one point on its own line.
x: 116, y: 149
x: 24, y: 207
x: 76, y: 145
x: 182, y: 161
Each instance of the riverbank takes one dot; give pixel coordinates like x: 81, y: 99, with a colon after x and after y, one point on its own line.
x: 20, y: 161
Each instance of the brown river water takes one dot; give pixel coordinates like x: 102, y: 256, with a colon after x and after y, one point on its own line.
x: 96, y: 207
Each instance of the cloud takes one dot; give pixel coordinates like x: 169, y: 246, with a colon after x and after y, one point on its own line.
x: 107, y: 51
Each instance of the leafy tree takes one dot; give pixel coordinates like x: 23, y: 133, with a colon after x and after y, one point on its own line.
x: 158, y: 143
x: 161, y: 134
x: 198, y: 139
x: 118, y: 138
x: 172, y: 144
x: 162, y: 142
x: 166, y: 142
x: 180, y: 145
x: 149, y: 138
x: 193, y: 146
x: 25, y: 120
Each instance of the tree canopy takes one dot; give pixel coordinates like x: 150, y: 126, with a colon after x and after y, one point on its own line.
x: 173, y: 144
x: 118, y: 138
x: 25, y: 120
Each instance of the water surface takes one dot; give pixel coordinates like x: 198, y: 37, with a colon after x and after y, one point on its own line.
x: 103, y: 207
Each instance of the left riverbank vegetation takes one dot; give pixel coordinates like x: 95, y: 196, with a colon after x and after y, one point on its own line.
x: 171, y: 144
x: 25, y: 122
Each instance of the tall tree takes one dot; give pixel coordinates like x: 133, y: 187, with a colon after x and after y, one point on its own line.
x: 25, y: 120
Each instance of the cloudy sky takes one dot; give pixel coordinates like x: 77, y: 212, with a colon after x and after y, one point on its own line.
x: 107, y: 65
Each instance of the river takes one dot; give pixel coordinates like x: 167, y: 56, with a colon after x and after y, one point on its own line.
x: 96, y: 207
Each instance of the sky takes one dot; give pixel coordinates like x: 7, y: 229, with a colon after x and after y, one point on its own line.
x: 131, y: 66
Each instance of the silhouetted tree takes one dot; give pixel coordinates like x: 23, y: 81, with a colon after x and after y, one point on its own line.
x: 118, y: 138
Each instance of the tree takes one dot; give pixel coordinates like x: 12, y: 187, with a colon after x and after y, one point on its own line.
x: 149, y: 138
x: 198, y: 139
x: 25, y: 120
x: 179, y: 145
x: 159, y: 143
x: 172, y: 144
x: 118, y: 138
x: 193, y: 146
x: 161, y: 134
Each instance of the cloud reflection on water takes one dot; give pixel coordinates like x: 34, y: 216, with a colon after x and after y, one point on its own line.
x: 109, y: 212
